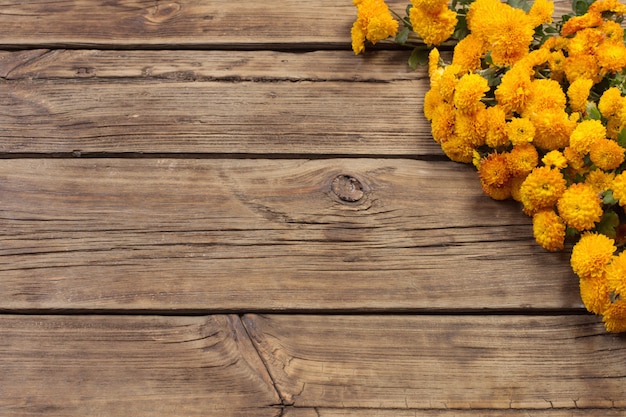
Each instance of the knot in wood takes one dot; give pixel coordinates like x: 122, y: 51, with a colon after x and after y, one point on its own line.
x: 347, y: 188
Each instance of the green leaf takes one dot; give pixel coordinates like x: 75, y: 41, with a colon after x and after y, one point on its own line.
x: 461, y: 30
x: 621, y: 138
x: 608, y: 224
x: 402, y: 36
x: 580, y: 7
x: 608, y: 199
x: 520, y: 4
x: 593, y: 112
x: 419, y: 56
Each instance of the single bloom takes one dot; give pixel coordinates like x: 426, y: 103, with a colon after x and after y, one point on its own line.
x: 578, y: 94
x: 553, y: 128
x: 541, y: 12
x: 614, y: 317
x: 549, y: 230
x: 472, y: 128
x: 541, y: 189
x: 606, y: 154
x: 611, y: 57
x: 522, y: 159
x: 468, y: 53
x: 580, y: 207
x: 433, y: 27
x: 374, y: 23
x: 599, y: 180
x: 586, y: 134
x: 591, y: 255
x: 469, y: 92
x: 619, y: 188
x: 520, y: 130
x: 594, y: 294
x: 554, y: 159
x: 545, y: 95
x: 497, y: 125
x: 494, y: 169
x: 457, y: 149
x: 513, y: 92
x: 610, y: 102
x: 616, y: 275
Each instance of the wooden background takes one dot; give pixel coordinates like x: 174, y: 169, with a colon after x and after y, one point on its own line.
x: 213, y: 208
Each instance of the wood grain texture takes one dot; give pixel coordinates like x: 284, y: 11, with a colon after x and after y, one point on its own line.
x: 157, y: 116
x: 212, y: 65
x: 259, y: 234
x: 188, y: 23
x: 122, y: 366
x: 377, y: 412
x: 442, y: 362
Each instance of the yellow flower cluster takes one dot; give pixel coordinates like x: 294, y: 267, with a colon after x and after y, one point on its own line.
x: 539, y: 108
x: 542, y: 122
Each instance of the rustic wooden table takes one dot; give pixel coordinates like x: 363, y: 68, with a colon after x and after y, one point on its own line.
x: 213, y: 208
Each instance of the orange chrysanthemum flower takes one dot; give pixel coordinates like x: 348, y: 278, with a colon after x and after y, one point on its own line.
x: 616, y: 275
x: 606, y: 154
x: 610, y: 102
x: 586, y: 134
x: 599, y: 180
x: 469, y: 91
x: 578, y: 94
x: 553, y: 129
x: 611, y: 56
x: 442, y: 121
x: 601, y: 6
x: 472, y: 128
x: 591, y: 255
x: 578, y: 23
x: 541, y: 12
x: 542, y: 189
x: 545, y: 95
x: 549, y: 230
x: 582, y: 66
x: 554, y: 159
x: 429, y: 5
x: 520, y: 130
x: 580, y: 207
x: 619, y: 188
x: 594, y: 294
x: 494, y: 170
x: 614, y: 317
x: 433, y: 27
x: 522, y: 159
x: 497, y: 126
x: 613, y: 31
x: 513, y: 92
x: 468, y: 53
x: 457, y: 149
x: 374, y: 22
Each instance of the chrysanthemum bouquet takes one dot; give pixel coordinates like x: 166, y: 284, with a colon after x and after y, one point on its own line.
x: 539, y: 107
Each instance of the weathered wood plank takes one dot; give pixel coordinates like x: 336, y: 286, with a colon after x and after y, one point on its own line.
x: 199, y: 24
x: 208, y: 65
x: 122, y: 366
x: 443, y: 362
x: 215, y: 117
x: 176, y: 234
x: 377, y: 412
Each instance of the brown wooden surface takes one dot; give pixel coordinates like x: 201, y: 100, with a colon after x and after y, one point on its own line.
x: 214, y: 208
